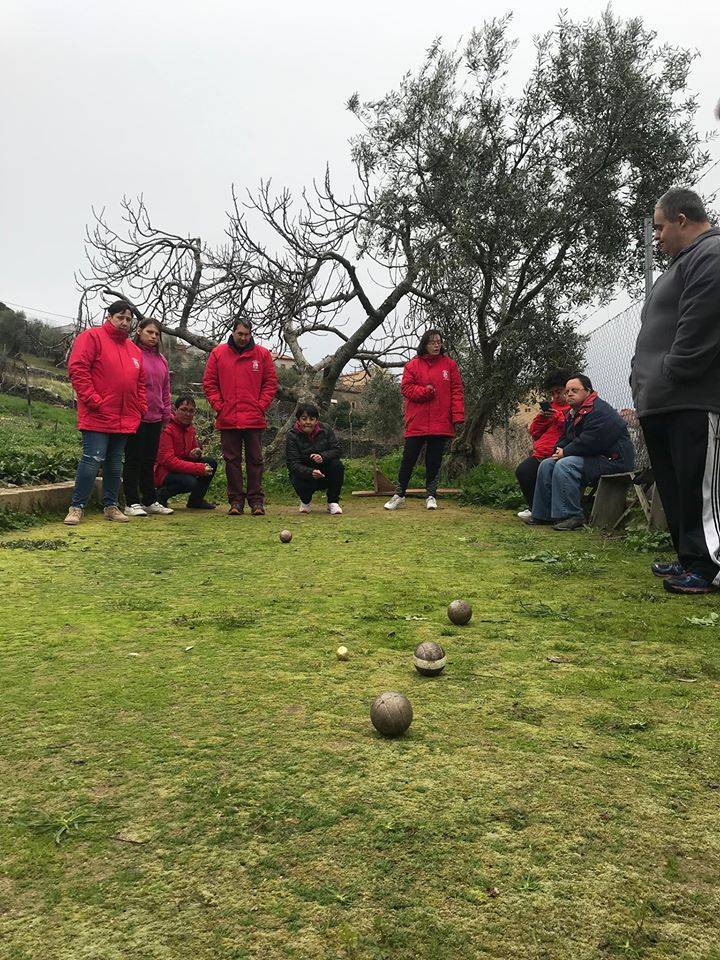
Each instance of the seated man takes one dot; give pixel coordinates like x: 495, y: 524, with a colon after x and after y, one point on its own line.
x: 545, y: 430
x: 313, y: 459
x: 595, y: 442
x: 180, y: 466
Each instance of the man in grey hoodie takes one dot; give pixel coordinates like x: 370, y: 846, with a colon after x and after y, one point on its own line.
x: 676, y: 388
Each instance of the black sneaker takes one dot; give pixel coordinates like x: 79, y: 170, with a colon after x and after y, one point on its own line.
x: 569, y: 523
x: 201, y: 505
x: 689, y: 583
x: 667, y: 569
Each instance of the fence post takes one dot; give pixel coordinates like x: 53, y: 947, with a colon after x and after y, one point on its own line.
x: 648, y: 243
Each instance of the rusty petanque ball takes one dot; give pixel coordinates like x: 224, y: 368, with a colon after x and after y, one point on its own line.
x: 285, y: 536
x: 429, y: 658
x: 391, y: 713
x: 459, y: 612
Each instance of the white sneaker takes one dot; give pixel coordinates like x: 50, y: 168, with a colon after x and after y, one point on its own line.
x: 304, y: 507
x: 525, y: 514
x: 431, y: 503
x: 395, y: 502
x: 159, y: 508
x: 334, y: 509
x: 135, y: 510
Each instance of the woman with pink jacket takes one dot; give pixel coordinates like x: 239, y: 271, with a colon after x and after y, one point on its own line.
x: 142, y: 447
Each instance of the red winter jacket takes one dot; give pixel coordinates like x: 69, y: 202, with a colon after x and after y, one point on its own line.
x: 105, y: 369
x: 240, y: 386
x: 173, y: 456
x: 432, y: 412
x: 546, y: 431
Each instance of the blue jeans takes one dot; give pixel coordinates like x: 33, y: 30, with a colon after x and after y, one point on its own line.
x: 99, y: 450
x: 558, y: 489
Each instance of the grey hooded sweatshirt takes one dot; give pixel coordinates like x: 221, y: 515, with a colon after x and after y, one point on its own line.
x: 677, y: 355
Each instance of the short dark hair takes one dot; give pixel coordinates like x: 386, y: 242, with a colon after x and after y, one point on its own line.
x: 679, y: 200
x: 241, y: 322
x: 422, y: 346
x: 585, y: 381
x: 556, y: 378
x: 119, y: 307
x: 309, y: 409
x: 184, y: 398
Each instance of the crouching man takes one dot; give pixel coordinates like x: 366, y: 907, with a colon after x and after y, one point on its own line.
x: 180, y: 466
x: 313, y: 459
x: 595, y: 442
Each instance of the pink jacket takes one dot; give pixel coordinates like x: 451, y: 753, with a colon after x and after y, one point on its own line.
x: 157, y: 385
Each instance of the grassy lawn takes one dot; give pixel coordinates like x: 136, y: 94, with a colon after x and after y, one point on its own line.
x: 188, y: 772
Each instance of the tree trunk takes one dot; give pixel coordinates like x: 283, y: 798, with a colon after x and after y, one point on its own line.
x: 466, y: 449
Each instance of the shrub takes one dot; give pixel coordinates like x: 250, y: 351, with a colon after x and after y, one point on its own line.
x: 491, y: 485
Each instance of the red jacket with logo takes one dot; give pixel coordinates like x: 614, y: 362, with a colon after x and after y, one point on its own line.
x: 240, y: 386
x: 173, y: 456
x: 105, y: 369
x: 433, y: 393
x: 546, y: 431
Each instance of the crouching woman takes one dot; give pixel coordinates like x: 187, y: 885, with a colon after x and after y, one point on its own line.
x: 180, y: 466
x: 313, y: 459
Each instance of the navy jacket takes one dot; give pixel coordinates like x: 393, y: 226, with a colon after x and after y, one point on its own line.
x: 299, y: 446
x: 600, y: 436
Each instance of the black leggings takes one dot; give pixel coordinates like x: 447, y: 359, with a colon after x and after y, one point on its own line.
x: 140, y: 454
x: 435, y: 448
x: 526, y: 473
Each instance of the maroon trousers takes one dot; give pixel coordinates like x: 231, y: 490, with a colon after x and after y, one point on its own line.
x: 232, y: 443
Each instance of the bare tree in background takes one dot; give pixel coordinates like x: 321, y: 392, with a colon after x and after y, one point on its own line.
x: 317, y: 271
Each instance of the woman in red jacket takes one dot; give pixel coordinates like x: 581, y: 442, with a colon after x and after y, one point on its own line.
x: 545, y: 430
x: 105, y: 369
x: 433, y: 408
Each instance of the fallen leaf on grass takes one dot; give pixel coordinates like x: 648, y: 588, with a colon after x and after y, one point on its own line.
x: 133, y: 654
x: 191, y: 647
x: 493, y: 892
x: 128, y: 838
x: 557, y: 660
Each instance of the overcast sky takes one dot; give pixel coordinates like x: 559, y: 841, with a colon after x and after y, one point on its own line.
x: 176, y: 100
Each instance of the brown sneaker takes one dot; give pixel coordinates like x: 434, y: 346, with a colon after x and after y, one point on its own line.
x: 258, y: 510
x: 74, y: 516
x: 112, y: 513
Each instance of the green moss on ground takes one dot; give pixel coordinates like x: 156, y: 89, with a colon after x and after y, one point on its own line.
x: 188, y: 771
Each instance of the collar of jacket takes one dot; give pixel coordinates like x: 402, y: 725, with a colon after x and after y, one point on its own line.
x: 712, y: 232
x: 174, y: 419
x: 244, y: 349
x: 119, y: 335
x: 314, y: 432
x: 147, y: 349
x: 587, y: 407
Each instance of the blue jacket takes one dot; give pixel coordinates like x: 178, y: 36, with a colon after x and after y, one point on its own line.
x: 597, y: 433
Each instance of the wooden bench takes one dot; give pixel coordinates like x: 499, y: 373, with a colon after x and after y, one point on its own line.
x: 611, y: 503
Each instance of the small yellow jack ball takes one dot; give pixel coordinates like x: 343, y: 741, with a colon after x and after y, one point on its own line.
x: 343, y: 653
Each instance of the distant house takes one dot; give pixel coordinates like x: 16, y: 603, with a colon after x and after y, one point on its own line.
x: 282, y: 361
x: 350, y: 387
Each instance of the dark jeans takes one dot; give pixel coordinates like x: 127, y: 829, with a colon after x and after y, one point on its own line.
x: 197, y: 487
x: 99, y: 449
x: 232, y: 443
x: 684, y: 450
x: 334, y: 472
x: 140, y: 455
x: 526, y: 473
x: 434, y: 450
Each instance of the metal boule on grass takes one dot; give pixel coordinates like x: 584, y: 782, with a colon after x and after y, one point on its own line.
x: 429, y: 658
x: 285, y: 536
x: 459, y: 612
x: 342, y: 653
x: 391, y: 713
